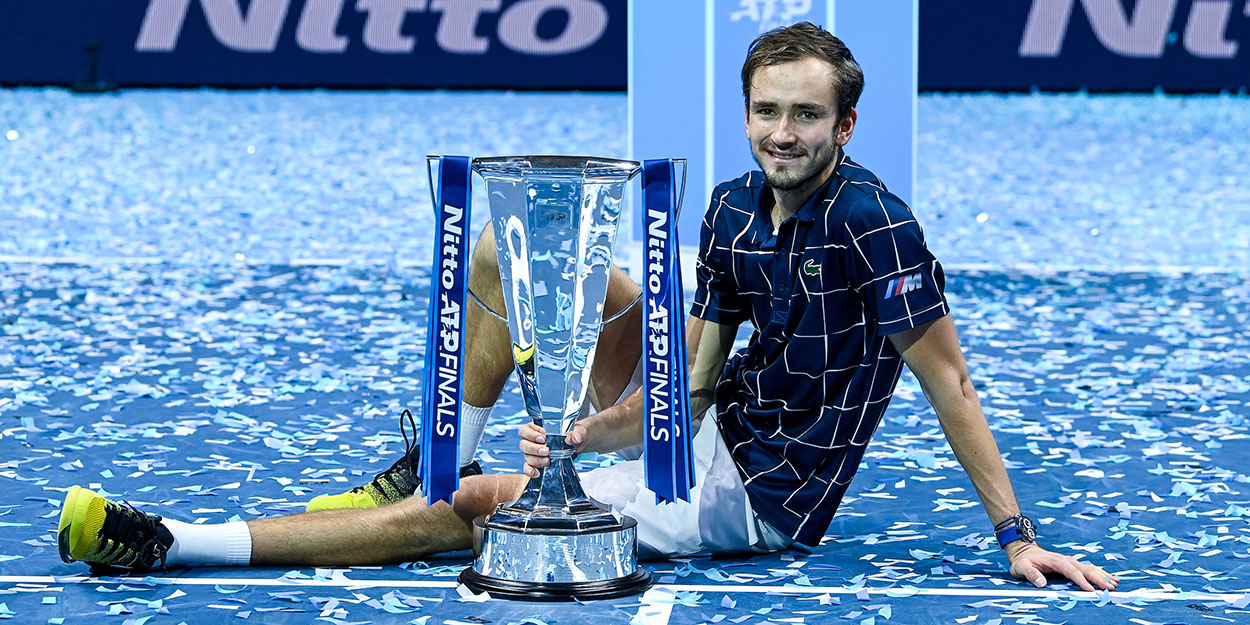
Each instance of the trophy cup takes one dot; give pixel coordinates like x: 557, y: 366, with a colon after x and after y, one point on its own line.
x: 555, y: 221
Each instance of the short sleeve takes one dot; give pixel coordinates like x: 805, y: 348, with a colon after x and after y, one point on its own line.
x: 717, y: 297
x: 899, y: 279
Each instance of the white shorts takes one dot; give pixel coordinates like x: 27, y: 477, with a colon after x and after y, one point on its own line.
x: 717, y: 519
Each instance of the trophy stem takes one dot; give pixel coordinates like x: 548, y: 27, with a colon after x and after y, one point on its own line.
x: 554, y: 502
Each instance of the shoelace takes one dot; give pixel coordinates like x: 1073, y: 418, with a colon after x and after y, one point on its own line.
x: 409, y: 445
x: 150, y: 550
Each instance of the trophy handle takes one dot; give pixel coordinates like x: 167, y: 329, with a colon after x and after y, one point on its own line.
x: 624, y: 310
x: 681, y: 195
x: 620, y: 313
x: 431, y: 162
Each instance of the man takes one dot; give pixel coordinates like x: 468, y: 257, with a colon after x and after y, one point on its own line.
x: 832, y: 271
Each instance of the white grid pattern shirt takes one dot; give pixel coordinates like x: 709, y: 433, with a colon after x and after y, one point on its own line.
x: 800, y: 402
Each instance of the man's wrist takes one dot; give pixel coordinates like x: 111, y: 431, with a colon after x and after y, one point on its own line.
x: 1018, y: 528
x: 1016, y: 548
x: 608, y: 430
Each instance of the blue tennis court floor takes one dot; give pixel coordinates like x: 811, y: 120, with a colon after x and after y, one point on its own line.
x: 212, y: 306
x: 213, y: 393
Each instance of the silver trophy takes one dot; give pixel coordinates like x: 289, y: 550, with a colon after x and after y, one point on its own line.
x: 555, y: 221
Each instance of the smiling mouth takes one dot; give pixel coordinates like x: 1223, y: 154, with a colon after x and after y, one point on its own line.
x: 784, y: 156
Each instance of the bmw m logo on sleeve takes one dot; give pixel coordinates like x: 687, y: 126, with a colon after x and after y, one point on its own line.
x: 903, y: 284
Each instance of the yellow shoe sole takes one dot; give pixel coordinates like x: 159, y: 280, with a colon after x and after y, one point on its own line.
x: 72, y: 531
x: 63, y: 526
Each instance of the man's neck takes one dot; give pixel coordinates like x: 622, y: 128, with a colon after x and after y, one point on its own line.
x: 787, y: 203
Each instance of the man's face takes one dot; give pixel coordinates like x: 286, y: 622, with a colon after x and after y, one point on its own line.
x: 793, y: 126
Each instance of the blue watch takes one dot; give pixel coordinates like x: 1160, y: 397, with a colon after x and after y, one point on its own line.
x: 1018, y: 527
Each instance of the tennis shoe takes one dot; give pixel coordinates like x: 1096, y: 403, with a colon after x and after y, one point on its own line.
x: 101, y: 532
x: 390, y: 486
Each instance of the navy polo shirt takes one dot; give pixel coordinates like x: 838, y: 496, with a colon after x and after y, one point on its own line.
x: 800, y: 402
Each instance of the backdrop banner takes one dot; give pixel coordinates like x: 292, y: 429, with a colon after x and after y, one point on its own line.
x: 484, y: 44
x: 994, y: 45
x: 1096, y: 45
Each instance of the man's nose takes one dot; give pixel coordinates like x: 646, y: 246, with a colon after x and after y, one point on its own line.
x: 784, y: 133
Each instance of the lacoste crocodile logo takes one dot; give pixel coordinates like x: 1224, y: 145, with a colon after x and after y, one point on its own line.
x: 811, y: 268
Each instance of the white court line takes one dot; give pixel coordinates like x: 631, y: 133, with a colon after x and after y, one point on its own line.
x: 656, y: 608
x: 343, y: 582
x: 96, y: 261
x: 81, y: 260
x: 688, y: 256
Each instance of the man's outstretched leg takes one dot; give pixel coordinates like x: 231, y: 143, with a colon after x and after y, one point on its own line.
x: 95, y: 530
x: 488, y: 364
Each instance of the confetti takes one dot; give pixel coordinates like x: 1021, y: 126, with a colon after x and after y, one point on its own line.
x: 236, y: 377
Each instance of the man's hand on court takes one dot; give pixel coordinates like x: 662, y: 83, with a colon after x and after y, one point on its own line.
x: 1032, y: 563
x: 537, y: 454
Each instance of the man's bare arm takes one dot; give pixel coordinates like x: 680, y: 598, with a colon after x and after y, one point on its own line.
x: 618, y: 427
x: 933, y: 354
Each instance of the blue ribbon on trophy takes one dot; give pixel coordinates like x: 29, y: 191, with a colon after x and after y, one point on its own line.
x: 667, y: 451
x: 444, y: 356
x: 555, y: 220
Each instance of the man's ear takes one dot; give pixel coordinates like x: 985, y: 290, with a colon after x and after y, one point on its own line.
x: 846, y: 128
x: 746, y: 118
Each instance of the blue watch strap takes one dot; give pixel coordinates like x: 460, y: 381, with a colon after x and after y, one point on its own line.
x: 1018, y: 527
x: 1009, y: 535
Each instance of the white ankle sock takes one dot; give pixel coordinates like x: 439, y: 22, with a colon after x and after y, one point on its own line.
x: 472, y: 424
x: 217, y: 543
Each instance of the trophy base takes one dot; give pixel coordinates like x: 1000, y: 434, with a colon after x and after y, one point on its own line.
x: 555, y: 566
x: 632, y: 584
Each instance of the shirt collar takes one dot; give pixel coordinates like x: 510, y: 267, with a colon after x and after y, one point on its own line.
x: 813, y: 207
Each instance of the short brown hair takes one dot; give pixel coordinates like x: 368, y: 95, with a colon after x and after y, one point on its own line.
x: 793, y: 43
